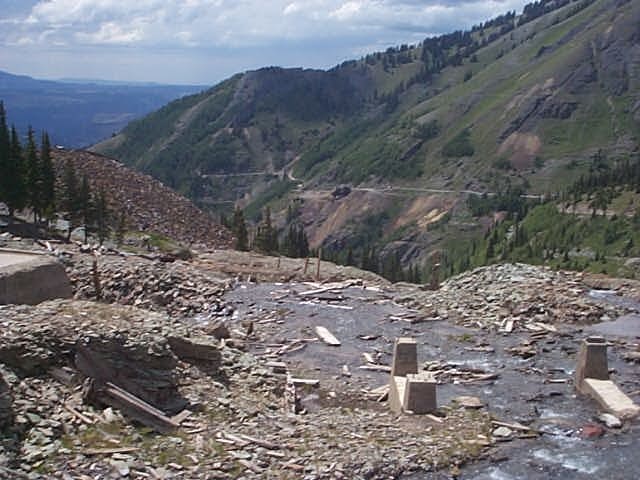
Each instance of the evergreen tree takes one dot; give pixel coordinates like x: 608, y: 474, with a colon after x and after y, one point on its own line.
x: 350, y: 260
x: 239, y: 228
x: 5, y: 150
x: 266, y: 237
x: 85, y: 206
x: 48, y: 175
x: 121, y: 228
x: 295, y: 243
x: 34, y: 176
x: 15, y: 195
x: 101, y: 216
x: 70, y: 196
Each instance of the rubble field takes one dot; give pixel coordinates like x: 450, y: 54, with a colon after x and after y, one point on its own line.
x: 190, y: 370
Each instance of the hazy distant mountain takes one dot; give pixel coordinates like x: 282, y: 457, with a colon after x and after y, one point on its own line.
x: 77, y: 113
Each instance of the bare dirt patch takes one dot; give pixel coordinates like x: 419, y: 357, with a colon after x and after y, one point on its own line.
x: 425, y: 211
x: 521, y: 149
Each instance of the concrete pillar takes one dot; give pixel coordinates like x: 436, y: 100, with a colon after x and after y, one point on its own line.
x: 592, y: 361
x: 405, y: 357
x: 420, y: 393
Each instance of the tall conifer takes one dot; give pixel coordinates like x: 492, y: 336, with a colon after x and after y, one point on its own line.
x: 48, y: 176
x: 34, y: 176
x: 16, y: 192
x: 5, y: 149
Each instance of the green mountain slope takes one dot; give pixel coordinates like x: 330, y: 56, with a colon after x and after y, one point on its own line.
x: 522, y: 102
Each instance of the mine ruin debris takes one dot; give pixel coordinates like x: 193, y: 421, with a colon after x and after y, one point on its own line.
x: 410, y: 391
x: 327, y: 337
x: 592, y: 379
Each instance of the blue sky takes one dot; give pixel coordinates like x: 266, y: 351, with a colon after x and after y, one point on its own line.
x: 205, y: 41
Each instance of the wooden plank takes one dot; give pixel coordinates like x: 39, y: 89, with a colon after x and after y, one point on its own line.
x: 376, y: 368
x: 327, y: 337
x: 79, y: 415
x: 135, y: 408
x: 304, y: 381
x: 513, y: 426
x: 182, y: 416
x: 109, y: 451
x: 261, y: 443
x: 368, y: 357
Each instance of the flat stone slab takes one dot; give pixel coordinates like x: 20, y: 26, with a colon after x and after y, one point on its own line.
x: 611, y: 398
x: 30, y: 278
x: 14, y: 258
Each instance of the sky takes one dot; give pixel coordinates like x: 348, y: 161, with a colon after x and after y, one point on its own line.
x: 205, y: 41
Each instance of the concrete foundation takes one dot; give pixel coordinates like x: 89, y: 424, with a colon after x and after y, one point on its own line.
x: 420, y: 394
x: 592, y: 379
x: 410, y: 391
x: 397, y: 388
x: 592, y: 361
x: 611, y: 398
x: 27, y: 278
x: 405, y: 357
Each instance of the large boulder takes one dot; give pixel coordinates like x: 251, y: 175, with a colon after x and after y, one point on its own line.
x: 31, y: 279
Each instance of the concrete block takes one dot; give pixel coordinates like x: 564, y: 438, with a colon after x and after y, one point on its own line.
x: 397, y: 388
x: 420, y: 393
x: 30, y: 279
x: 592, y: 361
x: 611, y: 398
x: 405, y: 357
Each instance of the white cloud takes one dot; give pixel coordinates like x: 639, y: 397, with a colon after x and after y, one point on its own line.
x: 347, y: 11
x: 285, y: 32
x: 245, y: 22
x: 111, y: 34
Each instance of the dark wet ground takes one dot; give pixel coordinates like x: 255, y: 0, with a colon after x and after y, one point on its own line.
x: 537, y: 391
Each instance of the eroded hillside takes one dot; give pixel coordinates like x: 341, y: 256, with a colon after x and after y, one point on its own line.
x: 522, y: 102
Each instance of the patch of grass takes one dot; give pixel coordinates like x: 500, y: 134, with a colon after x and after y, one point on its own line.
x: 459, y: 146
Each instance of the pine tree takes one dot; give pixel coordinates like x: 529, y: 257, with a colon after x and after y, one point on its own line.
x: 34, y: 176
x: 5, y: 150
x: 16, y: 190
x: 266, y: 238
x: 48, y: 177
x: 350, y: 260
x: 295, y: 243
x: 121, y: 228
x: 70, y: 197
x: 239, y: 228
x: 85, y: 206
x: 101, y: 216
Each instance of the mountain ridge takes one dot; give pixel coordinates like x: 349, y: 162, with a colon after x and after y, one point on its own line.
x: 520, y: 102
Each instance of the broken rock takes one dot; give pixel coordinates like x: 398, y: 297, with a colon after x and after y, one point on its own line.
x: 611, y: 421
x: 196, y: 349
x: 144, y: 370
x: 466, y: 401
x: 6, y: 414
x: 502, y: 432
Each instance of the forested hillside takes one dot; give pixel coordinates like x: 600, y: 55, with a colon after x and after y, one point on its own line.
x: 518, y: 105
